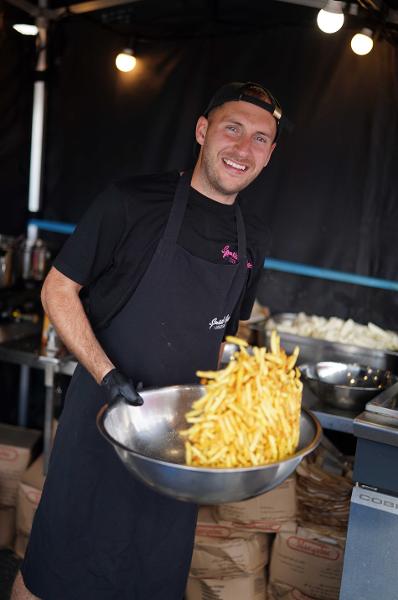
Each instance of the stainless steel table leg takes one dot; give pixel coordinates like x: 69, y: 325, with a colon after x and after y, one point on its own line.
x: 49, y: 372
x: 23, y: 395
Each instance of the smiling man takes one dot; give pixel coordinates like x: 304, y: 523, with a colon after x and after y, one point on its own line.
x: 157, y: 272
x: 237, y: 138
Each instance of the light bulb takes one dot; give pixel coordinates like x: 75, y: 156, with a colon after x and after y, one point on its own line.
x: 362, y: 43
x: 330, y: 19
x: 26, y: 29
x: 126, y: 61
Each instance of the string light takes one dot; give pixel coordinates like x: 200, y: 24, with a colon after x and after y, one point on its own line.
x: 331, y: 18
x: 362, y: 43
x: 26, y: 29
x: 126, y: 61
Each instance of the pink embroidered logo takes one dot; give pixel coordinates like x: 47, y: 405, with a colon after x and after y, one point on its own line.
x: 232, y: 257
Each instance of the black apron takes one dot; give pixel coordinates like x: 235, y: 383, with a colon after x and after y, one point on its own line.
x: 99, y: 533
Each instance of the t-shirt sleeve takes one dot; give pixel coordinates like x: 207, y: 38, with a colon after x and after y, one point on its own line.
x: 89, y: 251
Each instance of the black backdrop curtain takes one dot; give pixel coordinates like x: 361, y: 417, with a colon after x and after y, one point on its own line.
x: 329, y: 194
x: 16, y: 80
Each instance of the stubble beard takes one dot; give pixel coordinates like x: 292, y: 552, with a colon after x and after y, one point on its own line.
x: 215, y: 183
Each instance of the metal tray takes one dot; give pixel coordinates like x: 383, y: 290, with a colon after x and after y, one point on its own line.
x: 385, y: 403
x: 316, y: 350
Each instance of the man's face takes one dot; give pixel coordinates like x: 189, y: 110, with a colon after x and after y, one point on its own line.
x: 237, y: 143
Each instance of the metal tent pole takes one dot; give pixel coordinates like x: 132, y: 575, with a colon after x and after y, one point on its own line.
x: 38, y: 119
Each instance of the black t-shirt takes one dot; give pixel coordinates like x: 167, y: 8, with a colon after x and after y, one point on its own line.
x: 113, y: 244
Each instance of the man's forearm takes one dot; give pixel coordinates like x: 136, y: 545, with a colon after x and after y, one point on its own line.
x: 66, y: 313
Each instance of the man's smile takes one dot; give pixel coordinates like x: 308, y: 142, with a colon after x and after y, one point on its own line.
x: 234, y: 165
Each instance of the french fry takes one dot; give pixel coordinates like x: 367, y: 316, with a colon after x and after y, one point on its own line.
x: 250, y: 414
x: 237, y: 341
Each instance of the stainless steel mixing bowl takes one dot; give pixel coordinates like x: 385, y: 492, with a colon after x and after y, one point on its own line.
x: 347, y: 386
x: 147, y: 441
x: 228, y: 353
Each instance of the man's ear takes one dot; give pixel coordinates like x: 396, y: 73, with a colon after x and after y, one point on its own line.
x: 201, y: 130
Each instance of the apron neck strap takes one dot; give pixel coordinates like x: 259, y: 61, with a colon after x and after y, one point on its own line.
x: 178, y: 210
x: 241, y: 230
x: 178, y: 207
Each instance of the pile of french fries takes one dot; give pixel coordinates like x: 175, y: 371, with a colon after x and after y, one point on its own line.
x: 250, y: 413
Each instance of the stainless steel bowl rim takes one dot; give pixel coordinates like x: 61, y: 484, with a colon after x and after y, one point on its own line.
x: 100, y: 424
x: 339, y: 385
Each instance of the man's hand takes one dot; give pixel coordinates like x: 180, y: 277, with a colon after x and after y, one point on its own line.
x: 118, y: 385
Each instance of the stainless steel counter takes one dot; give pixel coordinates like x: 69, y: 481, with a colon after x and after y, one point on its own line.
x: 25, y: 351
x: 379, y: 421
x: 329, y: 417
x: 377, y: 428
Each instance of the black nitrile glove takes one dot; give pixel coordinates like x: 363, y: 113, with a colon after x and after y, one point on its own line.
x: 120, y: 387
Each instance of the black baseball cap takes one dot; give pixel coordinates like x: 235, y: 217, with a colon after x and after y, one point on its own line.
x: 241, y: 91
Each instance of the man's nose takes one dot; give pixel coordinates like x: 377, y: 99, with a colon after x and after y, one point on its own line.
x: 243, y: 145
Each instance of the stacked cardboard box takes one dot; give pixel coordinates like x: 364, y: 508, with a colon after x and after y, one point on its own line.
x: 229, y: 557
x: 250, y: 587
x: 28, y: 498
x: 307, y: 555
x: 17, y: 447
x: 227, y: 563
x: 265, y: 513
x: 232, y: 546
x: 305, y: 564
